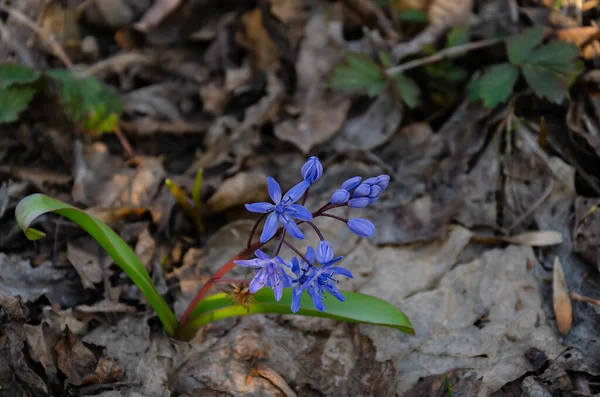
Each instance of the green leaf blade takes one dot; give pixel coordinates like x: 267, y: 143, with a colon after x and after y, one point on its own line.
x: 13, y: 101
x: 495, y: 86
x: 519, y: 47
x: 408, y: 89
x: 36, y: 205
x: 11, y: 74
x: 358, y: 308
x: 358, y: 73
x: 555, y: 52
x: 545, y: 84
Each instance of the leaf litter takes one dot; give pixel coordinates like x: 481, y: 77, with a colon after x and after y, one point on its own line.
x: 486, y: 235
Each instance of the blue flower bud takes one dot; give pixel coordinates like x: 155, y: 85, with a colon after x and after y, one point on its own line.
x: 351, y: 183
x: 362, y: 190
x: 370, y: 181
x: 340, y: 196
x: 359, y: 202
x: 361, y: 227
x: 312, y: 170
x: 382, y: 181
x: 375, y: 192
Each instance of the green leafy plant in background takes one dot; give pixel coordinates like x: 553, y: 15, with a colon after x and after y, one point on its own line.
x: 84, y: 99
x: 311, y: 278
x: 548, y: 69
x: 359, y: 72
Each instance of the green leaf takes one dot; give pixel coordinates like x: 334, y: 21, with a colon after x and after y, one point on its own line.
x: 412, y: 15
x: 359, y: 72
x: 457, y: 74
x: 555, y: 52
x: 88, y: 100
x: 358, y: 308
x: 409, y: 90
x: 14, y: 100
x: 458, y: 36
x: 36, y: 205
x: 495, y: 86
x: 384, y: 58
x: 11, y: 74
x: 545, y: 83
x: 519, y: 47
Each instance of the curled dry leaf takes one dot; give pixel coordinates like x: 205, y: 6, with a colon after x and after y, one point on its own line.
x: 74, y: 359
x: 581, y: 35
x: 244, y: 187
x: 561, y: 301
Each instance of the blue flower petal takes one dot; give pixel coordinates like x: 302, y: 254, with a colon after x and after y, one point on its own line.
x: 316, y: 298
x: 335, y: 270
x: 351, y: 183
x: 333, y: 290
x: 298, y: 211
x: 261, y: 208
x: 261, y: 255
x: 370, y: 181
x: 312, y: 170
x: 296, y: 192
x: 360, y: 202
x: 274, y: 190
x: 254, y: 263
x: 361, y: 227
x: 310, y: 254
x: 324, y: 252
x: 291, y: 227
x: 278, y: 291
x: 375, y: 192
x: 258, y: 281
x: 296, y: 295
x: 340, y: 196
x: 270, y: 228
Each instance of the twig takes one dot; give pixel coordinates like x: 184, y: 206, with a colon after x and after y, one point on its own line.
x: 578, y: 297
x: 24, y: 19
x: 124, y: 142
x: 457, y: 50
x: 22, y: 52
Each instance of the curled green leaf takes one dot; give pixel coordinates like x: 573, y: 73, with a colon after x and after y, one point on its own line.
x: 36, y: 205
x: 358, y: 308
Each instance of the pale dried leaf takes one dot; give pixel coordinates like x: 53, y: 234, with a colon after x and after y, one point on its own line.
x: 144, y: 249
x: 536, y: 239
x: 85, y: 254
x: 242, y: 188
x: 155, y: 15
x: 74, y: 359
x: 560, y: 299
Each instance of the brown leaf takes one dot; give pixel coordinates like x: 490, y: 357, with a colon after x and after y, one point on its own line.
x: 85, y: 254
x: 155, y: 15
x: 580, y: 35
x: 322, y: 111
x: 145, y: 248
x: 244, y: 187
x: 74, y: 359
x: 258, y: 40
x: 39, y: 350
x: 560, y: 299
x: 460, y: 381
x: 107, y: 371
x: 586, y: 235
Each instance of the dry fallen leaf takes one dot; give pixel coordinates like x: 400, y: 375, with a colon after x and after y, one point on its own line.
x: 580, y: 35
x: 144, y: 249
x: 85, y: 254
x: 534, y: 239
x: 74, y: 359
x: 560, y: 298
x: 244, y: 187
x: 258, y: 40
x: 155, y: 14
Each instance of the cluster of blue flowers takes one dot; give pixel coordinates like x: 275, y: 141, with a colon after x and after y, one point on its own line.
x: 304, y: 274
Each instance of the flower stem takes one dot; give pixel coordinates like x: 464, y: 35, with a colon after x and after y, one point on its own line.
x: 290, y: 246
x: 280, y: 243
x: 218, y: 274
x: 254, y: 230
x: 316, y: 230
x: 339, y: 218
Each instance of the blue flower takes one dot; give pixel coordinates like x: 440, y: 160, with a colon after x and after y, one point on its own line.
x: 340, y: 196
x: 284, y: 211
x: 361, y: 227
x: 368, y: 191
x: 316, y: 280
x: 312, y: 170
x: 271, y: 273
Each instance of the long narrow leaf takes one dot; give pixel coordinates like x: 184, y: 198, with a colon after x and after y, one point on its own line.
x: 35, y: 205
x: 358, y: 308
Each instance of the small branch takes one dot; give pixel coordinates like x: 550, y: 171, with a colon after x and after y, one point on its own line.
x: 577, y: 297
x: 457, y: 50
x: 124, y: 142
x: 24, y: 19
x: 290, y: 246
